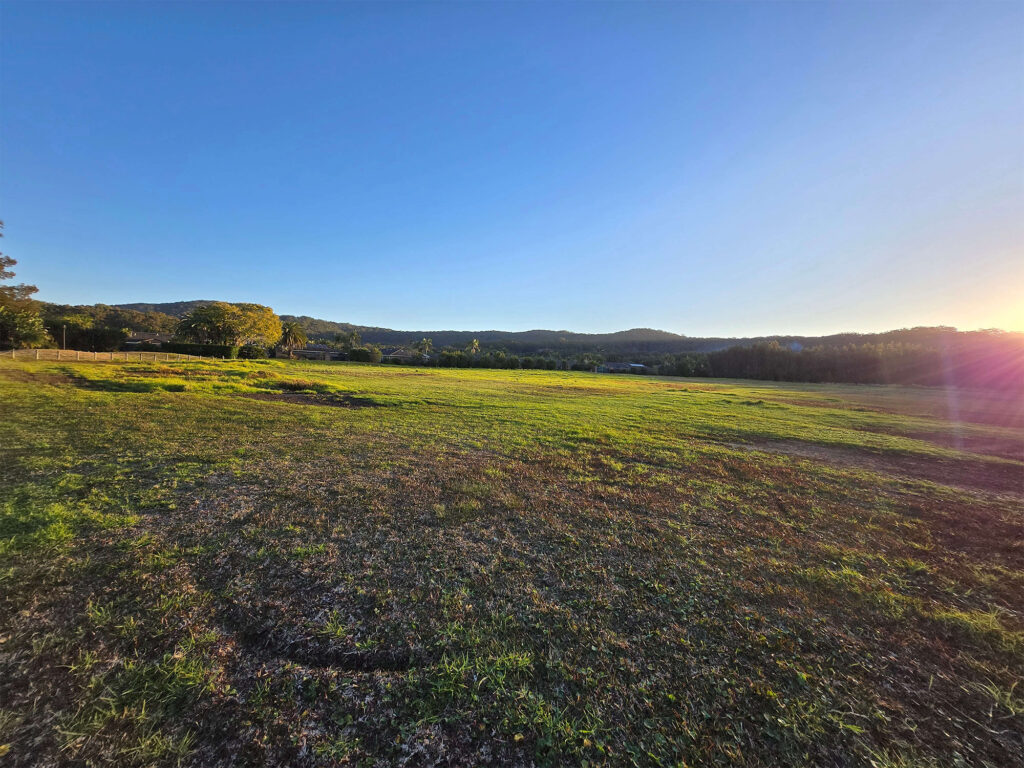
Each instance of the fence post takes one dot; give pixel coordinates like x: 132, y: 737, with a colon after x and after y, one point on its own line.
x: 37, y: 354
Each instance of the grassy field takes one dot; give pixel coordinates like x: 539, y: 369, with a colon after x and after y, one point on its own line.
x: 271, y: 563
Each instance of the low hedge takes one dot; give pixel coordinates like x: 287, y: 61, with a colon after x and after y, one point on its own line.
x: 252, y: 352
x: 364, y: 355
x: 204, y: 350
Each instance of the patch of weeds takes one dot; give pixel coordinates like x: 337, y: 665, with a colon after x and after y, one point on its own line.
x: 339, y: 748
x: 466, y: 674
x: 983, y: 627
x: 9, y: 721
x: 334, y: 628
x: 1005, y: 700
x: 135, y: 704
x: 100, y: 614
x: 308, y: 550
x: 913, y: 567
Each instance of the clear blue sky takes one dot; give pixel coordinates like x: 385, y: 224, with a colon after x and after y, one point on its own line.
x: 705, y: 168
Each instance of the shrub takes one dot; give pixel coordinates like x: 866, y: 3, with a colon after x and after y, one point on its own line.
x: 364, y: 354
x: 252, y: 352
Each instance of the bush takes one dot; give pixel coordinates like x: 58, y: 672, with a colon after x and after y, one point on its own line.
x: 252, y: 352
x: 204, y: 350
x: 364, y: 354
x: 21, y: 329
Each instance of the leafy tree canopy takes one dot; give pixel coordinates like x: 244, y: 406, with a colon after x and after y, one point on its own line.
x: 292, y: 335
x: 20, y: 323
x: 233, y: 324
x: 17, y: 298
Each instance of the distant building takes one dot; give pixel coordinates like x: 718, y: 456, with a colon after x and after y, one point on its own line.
x: 399, y: 355
x: 315, y: 352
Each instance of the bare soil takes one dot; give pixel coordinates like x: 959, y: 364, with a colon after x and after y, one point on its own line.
x: 301, y: 398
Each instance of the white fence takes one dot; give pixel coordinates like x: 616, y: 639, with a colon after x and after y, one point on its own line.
x: 74, y: 355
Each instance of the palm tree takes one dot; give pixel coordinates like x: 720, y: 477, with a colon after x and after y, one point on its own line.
x: 292, y: 336
x: 473, y: 347
x: 424, y: 346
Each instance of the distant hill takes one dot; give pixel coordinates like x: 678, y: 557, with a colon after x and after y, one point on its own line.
x: 638, y: 339
x: 635, y: 341
x: 174, y: 308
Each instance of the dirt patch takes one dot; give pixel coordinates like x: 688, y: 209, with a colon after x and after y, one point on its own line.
x: 304, y: 398
x: 27, y: 377
x: 998, y: 478
x: 317, y: 655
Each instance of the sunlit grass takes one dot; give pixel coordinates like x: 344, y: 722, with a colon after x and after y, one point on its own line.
x: 371, y: 562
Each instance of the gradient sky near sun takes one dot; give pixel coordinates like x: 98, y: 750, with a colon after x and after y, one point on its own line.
x: 705, y: 168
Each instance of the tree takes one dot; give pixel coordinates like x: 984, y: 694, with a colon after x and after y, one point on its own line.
x: 21, y: 328
x: 231, y: 324
x: 214, y: 323
x: 20, y: 322
x: 424, y: 346
x: 348, y: 341
x: 15, y: 297
x: 473, y: 348
x: 102, y: 316
x: 257, y: 324
x: 370, y: 354
x: 292, y: 336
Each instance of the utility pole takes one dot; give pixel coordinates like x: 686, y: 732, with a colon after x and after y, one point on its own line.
x: 64, y: 330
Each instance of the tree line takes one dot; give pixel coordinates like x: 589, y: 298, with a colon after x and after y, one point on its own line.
x: 921, y: 356
x: 990, y: 359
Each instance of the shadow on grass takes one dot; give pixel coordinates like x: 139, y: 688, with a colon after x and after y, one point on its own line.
x: 333, y: 400
x: 303, y: 650
x: 121, y: 385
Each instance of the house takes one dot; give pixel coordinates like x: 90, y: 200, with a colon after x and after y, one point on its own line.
x: 622, y: 368
x: 315, y: 352
x: 399, y: 355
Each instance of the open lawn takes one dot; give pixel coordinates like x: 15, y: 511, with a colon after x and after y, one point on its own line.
x: 272, y: 563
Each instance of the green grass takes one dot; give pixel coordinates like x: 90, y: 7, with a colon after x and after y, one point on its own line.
x: 264, y: 562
